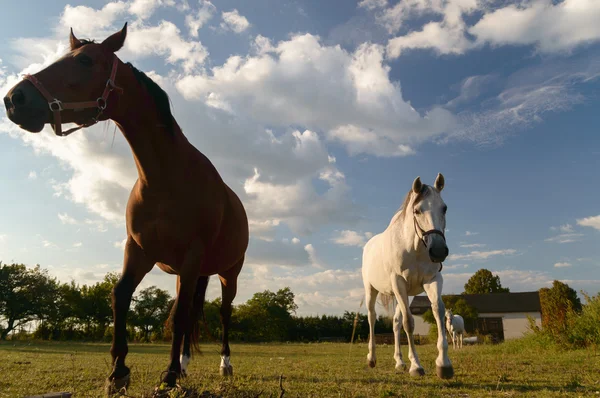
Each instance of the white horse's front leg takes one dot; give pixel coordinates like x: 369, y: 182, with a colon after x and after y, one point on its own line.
x: 434, y: 292
x: 400, y: 365
x: 370, y: 298
x: 399, y: 287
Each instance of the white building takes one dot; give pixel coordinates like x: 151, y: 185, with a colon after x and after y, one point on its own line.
x: 503, y: 315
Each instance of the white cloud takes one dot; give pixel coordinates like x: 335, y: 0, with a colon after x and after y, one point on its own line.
x: 593, y: 222
x: 549, y: 27
x: 145, y: 8
x: 165, y: 40
x: 77, y: 244
x: 566, y: 228
x: 480, y: 255
x: 32, y: 175
x: 202, y: 16
x: 471, y: 233
x: 120, y: 244
x: 351, y: 238
x: 473, y: 245
x: 88, y: 22
x: 564, y: 238
x: 301, y: 82
x: 373, y: 4
x: 67, y: 219
x: 3, y: 238
x: 232, y: 20
x: 562, y: 265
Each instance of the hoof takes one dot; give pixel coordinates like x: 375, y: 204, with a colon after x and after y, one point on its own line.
x: 371, y: 364
x: 226, y: 371
x: 445, y: 372
x: 417, y: 372
x: 117, y: 386
x: 401, y: 367
x: 170, y: 378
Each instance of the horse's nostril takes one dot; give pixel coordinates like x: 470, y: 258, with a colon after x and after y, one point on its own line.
x: 18, y: 98
x: 7, y: 103
x: 446, y: 251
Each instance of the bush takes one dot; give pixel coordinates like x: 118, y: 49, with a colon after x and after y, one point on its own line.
x: 584, y: 330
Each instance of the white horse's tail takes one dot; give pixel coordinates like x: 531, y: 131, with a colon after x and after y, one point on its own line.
x: 387, y: 302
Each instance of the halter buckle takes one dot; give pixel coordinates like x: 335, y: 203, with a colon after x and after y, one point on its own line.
x: 55, y: 105
x: 101, y: 103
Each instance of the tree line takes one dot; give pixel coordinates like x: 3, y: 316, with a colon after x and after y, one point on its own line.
x: 30, y: 299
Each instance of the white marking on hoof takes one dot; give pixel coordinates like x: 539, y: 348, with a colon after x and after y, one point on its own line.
x: 185, y: 361
x: 225, y: 369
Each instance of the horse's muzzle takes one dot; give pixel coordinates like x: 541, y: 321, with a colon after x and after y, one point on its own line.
x: 26, y: 107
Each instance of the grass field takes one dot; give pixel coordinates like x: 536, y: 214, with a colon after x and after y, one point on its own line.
x: 517, y: 368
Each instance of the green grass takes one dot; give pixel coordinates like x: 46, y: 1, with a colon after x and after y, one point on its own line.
x: 516, y: 368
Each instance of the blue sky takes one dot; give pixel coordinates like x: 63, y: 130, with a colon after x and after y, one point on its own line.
x: 320, y: 115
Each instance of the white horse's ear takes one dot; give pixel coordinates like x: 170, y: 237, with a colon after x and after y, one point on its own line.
x: 439, y: 182
x: 417, y: 185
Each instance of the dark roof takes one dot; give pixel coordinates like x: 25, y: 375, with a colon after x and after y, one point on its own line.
x: 488, y: 303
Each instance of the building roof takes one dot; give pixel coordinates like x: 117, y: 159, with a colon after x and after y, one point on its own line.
x: 488, y: 303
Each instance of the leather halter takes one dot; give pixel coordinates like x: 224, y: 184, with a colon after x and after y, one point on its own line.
x: 426, y: 233
x: 57, y: 106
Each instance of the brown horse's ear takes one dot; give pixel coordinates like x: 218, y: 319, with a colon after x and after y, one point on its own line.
x: 115, y: 41
x: 73, y: 41
x: 417, y: 185
x: 439, y: 182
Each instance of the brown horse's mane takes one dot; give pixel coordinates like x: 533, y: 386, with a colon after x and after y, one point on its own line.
x: 163, y: 102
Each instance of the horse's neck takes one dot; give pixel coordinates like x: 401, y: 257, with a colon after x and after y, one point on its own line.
x: 155, y: 150
x: 403, y: 236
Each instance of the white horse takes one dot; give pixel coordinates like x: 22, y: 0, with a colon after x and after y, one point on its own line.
x: 405, y: 260
x: 455, y: 325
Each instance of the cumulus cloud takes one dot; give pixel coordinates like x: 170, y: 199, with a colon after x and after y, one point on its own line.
x: 593, y: 222
x: 232, y: 20
x: 196, y: 21
x: 89, y: 22
x: 351, y: 238
x: 67, y: 219
x: 302, y: 82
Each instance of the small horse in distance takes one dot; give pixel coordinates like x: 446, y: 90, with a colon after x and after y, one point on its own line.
x: 180, y: 215
x: 405, y: 260
x: 455, y: 325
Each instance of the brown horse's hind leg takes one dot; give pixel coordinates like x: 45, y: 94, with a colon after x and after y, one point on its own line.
x: 135, y: 266
x: 182, y: 323
x: 190, y: 337
x: 229, y: 290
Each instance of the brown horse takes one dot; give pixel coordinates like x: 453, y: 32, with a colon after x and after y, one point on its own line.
x: 180, y: 216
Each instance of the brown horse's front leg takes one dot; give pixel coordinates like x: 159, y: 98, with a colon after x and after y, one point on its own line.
x: 135, y: 267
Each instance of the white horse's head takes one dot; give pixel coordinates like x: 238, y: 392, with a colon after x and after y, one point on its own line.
x: 429, y: 217
x: 449, y: 313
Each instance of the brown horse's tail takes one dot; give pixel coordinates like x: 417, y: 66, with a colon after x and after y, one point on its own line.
x: 197, y: 313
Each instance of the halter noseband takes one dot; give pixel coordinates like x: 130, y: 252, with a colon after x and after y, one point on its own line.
x: 57, y: 106
x: 426, y: 233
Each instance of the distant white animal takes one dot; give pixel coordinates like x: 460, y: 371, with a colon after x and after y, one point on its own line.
x: 455, y: 325
x: 405, y: 260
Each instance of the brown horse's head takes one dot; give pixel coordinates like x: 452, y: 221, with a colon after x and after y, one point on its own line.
x: 75, y: 89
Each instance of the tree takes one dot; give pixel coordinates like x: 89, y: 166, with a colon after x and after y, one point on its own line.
x: 151, y: 311
x: 267, y: 316
x: 484, y: 282
x: 25, y: 294
x: 559, y: 303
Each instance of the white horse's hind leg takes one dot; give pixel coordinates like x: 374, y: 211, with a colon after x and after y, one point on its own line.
x: 454, y: 339
x: 434, y: 292
x: 397, y: 331
x: 461, y: 338
x: 399, y: 287
x: 370, y: 298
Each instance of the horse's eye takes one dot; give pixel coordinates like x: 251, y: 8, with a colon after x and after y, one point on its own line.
x: 85, y: 60
x: 417, y: 211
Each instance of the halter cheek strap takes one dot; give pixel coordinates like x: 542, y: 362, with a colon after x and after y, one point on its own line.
x: 57, y: 106
x: 427, y: 233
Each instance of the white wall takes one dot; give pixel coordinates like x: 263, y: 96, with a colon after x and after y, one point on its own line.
x: 514, y: 323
